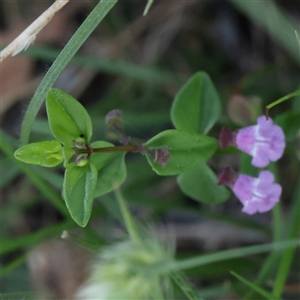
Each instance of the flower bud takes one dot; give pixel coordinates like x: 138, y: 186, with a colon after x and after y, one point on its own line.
x: 227, y: 177
x: 243, y: 110
x: 81, y: 161
x: 227, y: 138
x: 160, y: 156
x: 79, y: 143
x: 114, y: 120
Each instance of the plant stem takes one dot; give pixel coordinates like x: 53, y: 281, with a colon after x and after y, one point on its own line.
x: 286, y: 97
x: 89, y: 150
x: 128, y: 219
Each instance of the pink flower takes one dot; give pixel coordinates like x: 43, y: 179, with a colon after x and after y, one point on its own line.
x: 265, y: 141
x: 256, y: 194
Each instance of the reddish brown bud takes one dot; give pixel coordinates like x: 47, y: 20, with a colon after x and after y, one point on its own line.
x: 227, y: 177
x: 227, y: 138
x: 114, y: 120
x: 160, y: 156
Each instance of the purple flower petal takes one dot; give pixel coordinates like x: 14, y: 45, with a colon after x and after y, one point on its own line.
x: 257, y: 194
x: 265, y: 142
x: 266, y: 178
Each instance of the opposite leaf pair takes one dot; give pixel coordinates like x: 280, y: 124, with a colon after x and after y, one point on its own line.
x: 88, y: 176
x: 69, y: 123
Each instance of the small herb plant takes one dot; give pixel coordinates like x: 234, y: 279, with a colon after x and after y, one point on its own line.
x: 95, y: 168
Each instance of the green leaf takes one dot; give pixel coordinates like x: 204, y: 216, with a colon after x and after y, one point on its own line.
x: 68, y: 119
x: 200, y: 183
x: 112, y: 169
x: 185, y: 149
x: 46, y: 154
x: 6, y: 144
x: 196, y: 107
x: 79, y: 191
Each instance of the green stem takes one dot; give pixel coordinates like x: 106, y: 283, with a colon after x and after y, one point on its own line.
x: 286, y: 97
x: 89, y: 150
x: 79, y: 37
x: 128, y: 219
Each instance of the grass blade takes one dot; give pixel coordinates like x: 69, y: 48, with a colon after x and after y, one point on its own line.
x: 115, y: 67
x: 83, y: 32
x: 8, y: 245
x: 231, y: 254
x: 12, y: 265
x: 287, y: 257
x: 183, y: 283
x: 274, y: 21
x: 255, y: 287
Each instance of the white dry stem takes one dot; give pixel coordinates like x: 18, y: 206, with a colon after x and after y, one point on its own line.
x: 27, y: 37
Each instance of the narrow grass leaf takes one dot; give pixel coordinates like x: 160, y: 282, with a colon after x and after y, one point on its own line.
x: 264, y: 273
x: 232, y: 253
x: 19, y: 296
x: 83, y: 32
x: 115, y: 67
x: 8, y: 171
x: 288, y: 254
x: 271, y: 18
x: 255, y: 287
x: 9, y: 245
x: 183, y: 283
x: 12, y: 265
x: 148, y: 5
